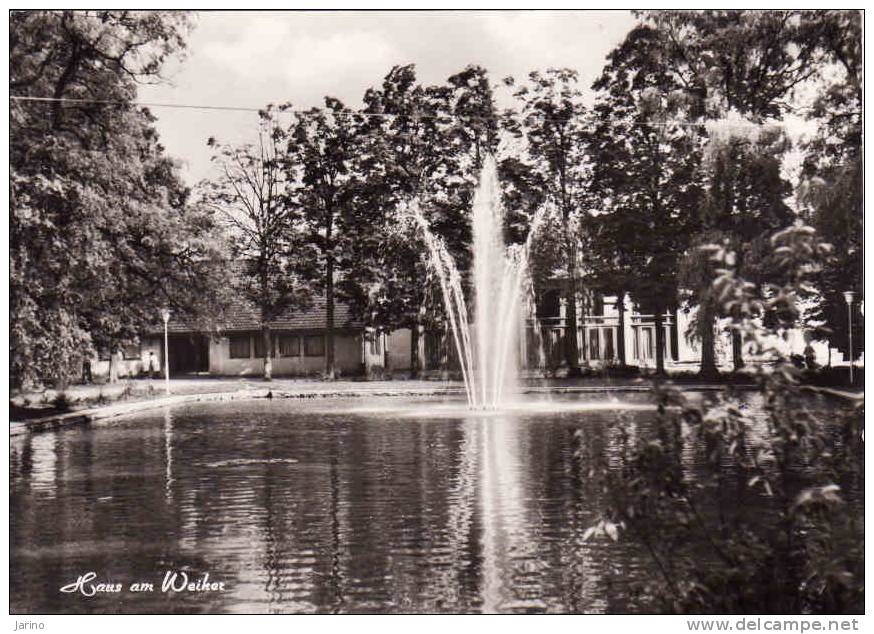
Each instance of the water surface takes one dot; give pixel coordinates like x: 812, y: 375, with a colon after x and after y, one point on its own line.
x: 325, y: 506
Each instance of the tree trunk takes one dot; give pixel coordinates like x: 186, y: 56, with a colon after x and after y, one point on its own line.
x: 571, y: 350
x: 414, y: 351
x: 660, y: 340
x: 113, y: 366
x: 620, y: 334
x: 329, y: 321
x: 736, y: 340
x: 268, y: 351
x: 737, y: 350
x: 706, y: 319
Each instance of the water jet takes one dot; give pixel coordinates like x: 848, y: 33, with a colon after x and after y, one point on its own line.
x: 487, y: 340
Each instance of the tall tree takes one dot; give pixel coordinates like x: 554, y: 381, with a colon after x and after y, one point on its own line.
x: 739, y: 70
x: 249, y: 194
x: 406, y: 139
x: 321, y: 155
x: 550, y: 119
x: 427, y: 144
x: 646, y: 180
x: 831, y: 189
x: 101, y: 233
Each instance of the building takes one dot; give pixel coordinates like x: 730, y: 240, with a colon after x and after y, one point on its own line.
x: 607, y: 330
x: 235, y: 347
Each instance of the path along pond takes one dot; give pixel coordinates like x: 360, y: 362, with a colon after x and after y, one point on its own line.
x: 376, y: 505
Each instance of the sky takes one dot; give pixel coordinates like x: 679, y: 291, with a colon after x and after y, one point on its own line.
x: 250, y: 59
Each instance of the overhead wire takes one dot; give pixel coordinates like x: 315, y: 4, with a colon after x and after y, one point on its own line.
x: 357, y: 113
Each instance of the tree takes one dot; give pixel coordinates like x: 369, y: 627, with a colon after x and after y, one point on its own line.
x: 473, y: 125
x: 427, y: 144
x: 646, y: 179
x: 549, y: 119
x: 770, y: 505
x: 831, y: 185
x: 739, y: 70
x: 101, y: 233
x: 406, y: 141
x: 321, y: 152
x: 250, y: 195
x: 695, y: 276
x: 83, y: 55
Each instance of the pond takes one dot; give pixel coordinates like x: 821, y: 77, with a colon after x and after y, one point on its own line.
x: 324, y: 506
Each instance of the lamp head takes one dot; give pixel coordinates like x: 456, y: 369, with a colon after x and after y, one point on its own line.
x: 165, y: 313
x: 849, y: 295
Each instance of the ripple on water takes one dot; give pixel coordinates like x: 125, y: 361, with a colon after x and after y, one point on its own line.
x: 324, y: 506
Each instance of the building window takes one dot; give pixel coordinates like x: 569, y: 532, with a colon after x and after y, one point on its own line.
x: 646, y: 347
x: 314, y: 346
x: 289, y: 346
x: 258, y: 340
x: 594, y: 344
x: 374, y: 341
x: 609, y: 353
x: 549, y: 305
x: 240, y: 347
x: 132, y: 351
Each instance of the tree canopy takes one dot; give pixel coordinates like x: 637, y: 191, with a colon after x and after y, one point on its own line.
x: 101, y: 232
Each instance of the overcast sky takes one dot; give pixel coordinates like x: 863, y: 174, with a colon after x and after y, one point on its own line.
x: 252, y: 59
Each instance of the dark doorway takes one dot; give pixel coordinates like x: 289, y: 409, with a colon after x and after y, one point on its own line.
x: 188, y: 354
x: 548, y: 305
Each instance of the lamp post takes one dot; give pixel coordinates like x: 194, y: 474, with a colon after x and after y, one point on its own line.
x: 165, y: 313
x: 849, y: 295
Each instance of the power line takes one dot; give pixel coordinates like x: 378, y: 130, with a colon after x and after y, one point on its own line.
x: 106, y: 102
x: 358, y: 113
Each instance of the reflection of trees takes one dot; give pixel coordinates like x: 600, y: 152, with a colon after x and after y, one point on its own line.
x: 461, y: 577
x: 336, y: 576
x: 484, y: 513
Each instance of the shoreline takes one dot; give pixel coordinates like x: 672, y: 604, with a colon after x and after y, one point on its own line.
x: 325, y: 391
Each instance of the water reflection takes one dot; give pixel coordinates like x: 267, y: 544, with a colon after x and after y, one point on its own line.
x: 340, y: 511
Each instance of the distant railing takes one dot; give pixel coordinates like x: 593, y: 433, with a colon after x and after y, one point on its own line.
x: 605, y: 320
x: 542, y: 347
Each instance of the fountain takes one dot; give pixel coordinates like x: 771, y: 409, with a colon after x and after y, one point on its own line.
x: 488, y: 343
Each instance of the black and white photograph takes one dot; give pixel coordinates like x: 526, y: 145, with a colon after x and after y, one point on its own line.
x: 466, y: 312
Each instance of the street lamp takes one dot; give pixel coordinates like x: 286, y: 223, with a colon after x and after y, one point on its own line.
x: 849, y: 295
x: 165, y: 313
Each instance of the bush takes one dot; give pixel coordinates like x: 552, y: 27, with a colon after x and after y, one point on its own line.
x: 836, y: 376
x: 61, y: 402
x: 741, y: 515
x: 740, y: 512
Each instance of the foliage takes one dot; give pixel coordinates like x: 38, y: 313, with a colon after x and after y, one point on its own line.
x: 744, y: 61
x: 101, y: 234
x: 549, y: 121
x: 831, y: 186
x: 425, y: 143
x: 738, y: 70
x: 745, y: 513
x: 406, y: 139
x: 646, y: 177
x: 320, y: 161
x: 274, y: 265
